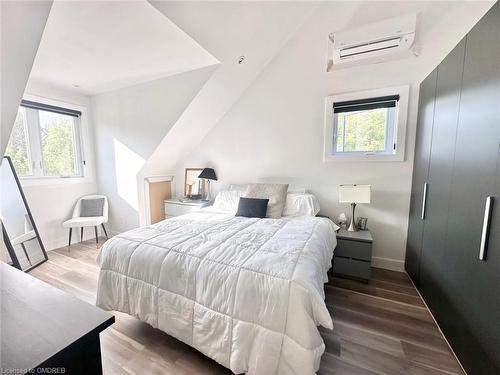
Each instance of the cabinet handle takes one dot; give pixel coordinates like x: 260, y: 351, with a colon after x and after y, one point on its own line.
x: 424, y: 201
x: 486, y: 228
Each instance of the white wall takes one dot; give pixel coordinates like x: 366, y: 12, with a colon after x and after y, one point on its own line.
x: 129, y: 124
x: 22, y: 25
x: 275, y: 131
x: 250, y: 23
x: 51, y: 202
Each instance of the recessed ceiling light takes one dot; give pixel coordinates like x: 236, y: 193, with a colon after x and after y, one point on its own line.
x: 76, y: 86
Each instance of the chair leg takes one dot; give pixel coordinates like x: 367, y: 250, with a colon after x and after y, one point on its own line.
x: 81, y: 234
x: 104, y: 229
x: 96, y: 239
x: 26, y: 253
x: 69, y: 242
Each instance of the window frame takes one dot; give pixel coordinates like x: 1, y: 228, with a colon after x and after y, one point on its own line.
x: 82, y: 145
x: 400, y: 115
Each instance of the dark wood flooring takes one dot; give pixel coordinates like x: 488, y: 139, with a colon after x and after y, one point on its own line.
x: 381, y: 327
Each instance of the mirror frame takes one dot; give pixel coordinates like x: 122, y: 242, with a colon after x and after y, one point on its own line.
x: 186, y: 170
x: 6, y: 239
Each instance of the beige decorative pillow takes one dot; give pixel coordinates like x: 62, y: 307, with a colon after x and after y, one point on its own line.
x: 276, y: 193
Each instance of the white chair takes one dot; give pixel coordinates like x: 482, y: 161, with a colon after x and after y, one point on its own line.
x: 89, y: 211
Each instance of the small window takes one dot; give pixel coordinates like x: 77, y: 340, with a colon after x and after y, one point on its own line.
x: 367, y: 126
x: 46, y: 142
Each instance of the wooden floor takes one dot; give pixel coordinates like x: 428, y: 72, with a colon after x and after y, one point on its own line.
x: 379, y: 328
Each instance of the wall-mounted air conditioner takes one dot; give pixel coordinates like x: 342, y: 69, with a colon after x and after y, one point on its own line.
x: 374, y: 42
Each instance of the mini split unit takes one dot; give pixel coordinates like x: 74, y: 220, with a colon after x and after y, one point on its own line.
x: 377, y: 42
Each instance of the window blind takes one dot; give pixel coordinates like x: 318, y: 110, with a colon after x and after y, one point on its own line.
x: 50, y: 108
x: 365, y: 104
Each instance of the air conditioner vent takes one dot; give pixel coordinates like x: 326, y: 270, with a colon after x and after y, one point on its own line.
x: 370, y: 47
x: 375, y: 41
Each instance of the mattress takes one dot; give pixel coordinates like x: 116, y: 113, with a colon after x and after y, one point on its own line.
x: 246, y: 292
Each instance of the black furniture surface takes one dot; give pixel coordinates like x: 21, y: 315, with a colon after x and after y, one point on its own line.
x: 42, y: 327
x: 353, y: 254
x: 453, y: 250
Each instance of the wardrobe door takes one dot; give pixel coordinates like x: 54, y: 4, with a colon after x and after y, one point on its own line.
x: 420, y: 170
x: 473, y: 285
x: 432, y: 263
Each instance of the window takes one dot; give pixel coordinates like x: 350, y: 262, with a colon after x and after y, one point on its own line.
x: 18, y: 147
x: 366, y: 126
x: 46, y: 142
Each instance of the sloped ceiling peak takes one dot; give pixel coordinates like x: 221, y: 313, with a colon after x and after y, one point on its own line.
x: 257, y: 30
x: 97, y: 46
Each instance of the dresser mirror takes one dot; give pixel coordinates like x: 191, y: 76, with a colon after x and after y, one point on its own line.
x: 24, y: 247
x: 194, y: 187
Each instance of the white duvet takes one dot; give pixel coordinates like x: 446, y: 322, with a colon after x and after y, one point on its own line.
x: 246, y: 292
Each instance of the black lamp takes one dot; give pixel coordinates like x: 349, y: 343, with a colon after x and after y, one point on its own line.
x: 208, y: 174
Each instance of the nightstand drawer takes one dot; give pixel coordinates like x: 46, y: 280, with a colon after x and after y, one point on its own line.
x: 174, y: 207
x: 354, y: 249
x: 352, y: 267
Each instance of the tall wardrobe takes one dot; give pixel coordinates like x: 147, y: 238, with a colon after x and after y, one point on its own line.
x: 453, y: 250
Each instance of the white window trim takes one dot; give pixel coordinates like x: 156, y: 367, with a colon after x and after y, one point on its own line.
x: 400, y: 128
x: 83, y: 134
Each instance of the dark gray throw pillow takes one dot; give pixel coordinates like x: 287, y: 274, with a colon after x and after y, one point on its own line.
x: 252, y: 207
x: 91, y: 207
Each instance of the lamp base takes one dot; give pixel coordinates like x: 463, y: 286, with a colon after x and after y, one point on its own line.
x: 208, y: 195
x: 352, y: 226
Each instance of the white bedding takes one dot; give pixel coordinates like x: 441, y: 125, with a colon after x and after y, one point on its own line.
x: 246, y: 292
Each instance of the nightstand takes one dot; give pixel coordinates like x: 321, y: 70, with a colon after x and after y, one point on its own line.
x: 175, y: 207
x: 353, y: 255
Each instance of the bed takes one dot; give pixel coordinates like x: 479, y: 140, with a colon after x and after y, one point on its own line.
x: 246, y: 292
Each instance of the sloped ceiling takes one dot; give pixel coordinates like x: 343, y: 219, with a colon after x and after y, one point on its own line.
x: 22, y: 25
x: 95, y: 46
x: 105, y: 46
x: 228, y: 30
x: 260, y: 31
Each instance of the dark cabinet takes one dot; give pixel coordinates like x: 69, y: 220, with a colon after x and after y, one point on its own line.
x: 462, y: 290
x: 444, y: 130
x: 474, y: 283
x: 420, y: 174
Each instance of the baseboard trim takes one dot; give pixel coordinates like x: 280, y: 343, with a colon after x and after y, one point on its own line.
x: 55, y: 244
x: 388, y: 264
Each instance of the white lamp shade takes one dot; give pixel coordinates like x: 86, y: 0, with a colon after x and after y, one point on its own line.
x: 354, y: 193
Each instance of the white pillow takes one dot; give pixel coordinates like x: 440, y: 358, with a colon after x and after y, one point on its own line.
x: 301, y: 205
x: 297, y: 190
x: 227, y: 200
x: 238, y: 187
x: 243, y: 188
x: 276, y: 193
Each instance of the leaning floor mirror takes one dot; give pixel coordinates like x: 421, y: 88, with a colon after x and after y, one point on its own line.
x: 23, y: 244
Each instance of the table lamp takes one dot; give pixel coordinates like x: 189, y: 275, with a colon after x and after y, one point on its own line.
x: 208, y: 174
x: 354, y: 194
